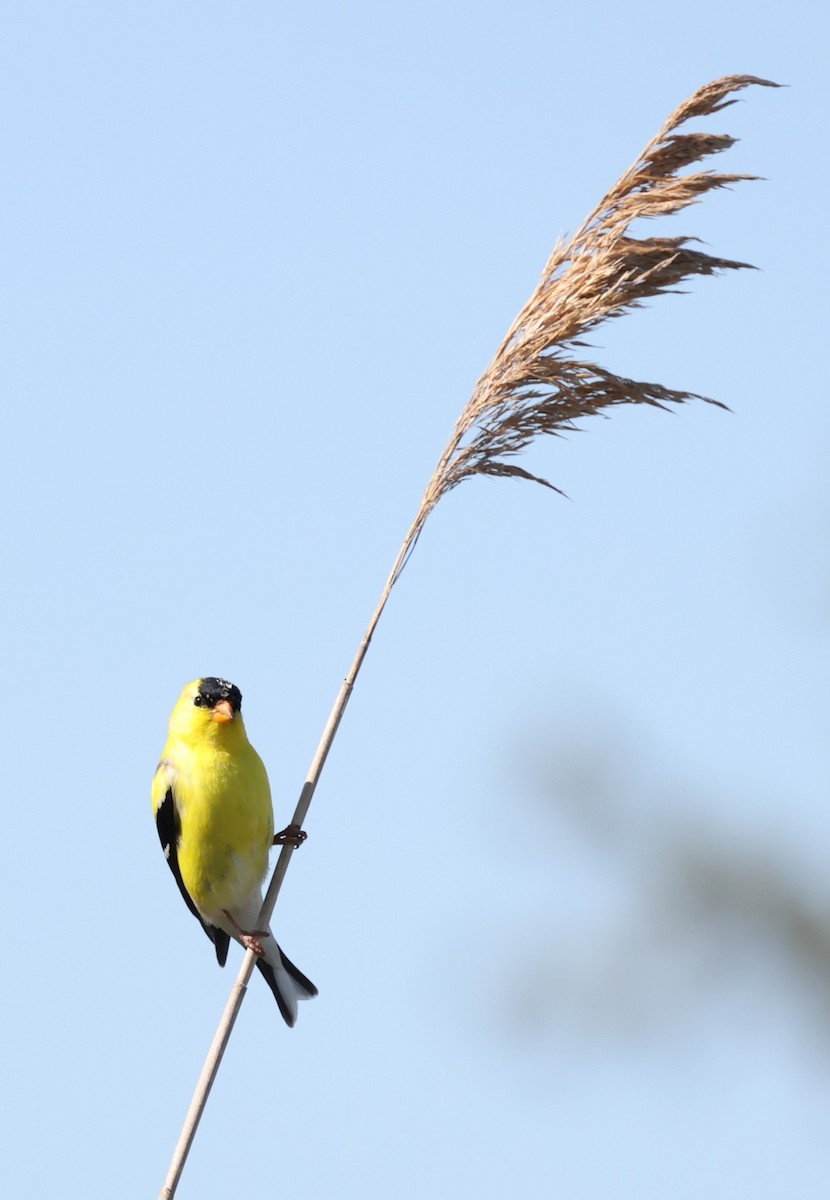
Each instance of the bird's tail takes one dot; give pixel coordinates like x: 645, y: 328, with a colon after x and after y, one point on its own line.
x: 285, y: 980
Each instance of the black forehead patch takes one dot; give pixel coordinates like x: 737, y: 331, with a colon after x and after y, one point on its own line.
x: 212, y: 690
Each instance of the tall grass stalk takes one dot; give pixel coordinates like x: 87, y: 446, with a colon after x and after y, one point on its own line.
x: 536, y: 385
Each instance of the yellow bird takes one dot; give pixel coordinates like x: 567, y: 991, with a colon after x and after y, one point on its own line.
x: 212, y: 804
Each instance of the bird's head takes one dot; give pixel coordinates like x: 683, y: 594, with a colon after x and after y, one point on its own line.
x: 208, y: 708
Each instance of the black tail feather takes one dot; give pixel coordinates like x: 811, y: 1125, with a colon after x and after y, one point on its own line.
x: 304, y: 985
x: 297, y: 975
x: 271, y: 979
x: 221, y: 941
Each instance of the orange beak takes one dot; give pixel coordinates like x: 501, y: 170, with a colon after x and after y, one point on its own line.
x: 222, y: 712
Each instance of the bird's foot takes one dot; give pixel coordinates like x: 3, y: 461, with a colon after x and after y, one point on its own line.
x: 250, y: 938
x: 292, y: 835
x: 251, y: 942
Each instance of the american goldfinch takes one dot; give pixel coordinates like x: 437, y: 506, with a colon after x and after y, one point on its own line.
x: 212, y: 805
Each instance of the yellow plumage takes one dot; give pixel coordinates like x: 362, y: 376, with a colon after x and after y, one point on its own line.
x: 212, y: 804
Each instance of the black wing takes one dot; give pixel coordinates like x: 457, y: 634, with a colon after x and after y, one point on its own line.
x: 169, y: 831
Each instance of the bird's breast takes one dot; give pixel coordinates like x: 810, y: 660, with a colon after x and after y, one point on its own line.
x: 226, y: 831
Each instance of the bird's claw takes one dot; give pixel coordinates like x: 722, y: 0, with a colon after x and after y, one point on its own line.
x: 251, y: 941
x: 248, y: 937
x: 292, y: 835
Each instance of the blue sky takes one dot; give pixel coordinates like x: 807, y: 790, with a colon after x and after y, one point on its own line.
x: 255, y: 258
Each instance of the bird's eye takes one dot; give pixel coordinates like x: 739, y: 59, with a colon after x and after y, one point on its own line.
x: 198, y: 701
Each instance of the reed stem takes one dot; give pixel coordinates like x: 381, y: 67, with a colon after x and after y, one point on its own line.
x: 535, y: 386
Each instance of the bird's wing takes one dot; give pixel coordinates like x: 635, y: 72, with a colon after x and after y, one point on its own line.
x: 169, y: 829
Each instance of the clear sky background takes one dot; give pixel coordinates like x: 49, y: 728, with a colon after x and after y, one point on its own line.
x: 255, y: 256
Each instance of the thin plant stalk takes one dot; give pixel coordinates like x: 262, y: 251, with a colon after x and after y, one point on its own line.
x: 535, y: 385
x: 234, y: 1004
